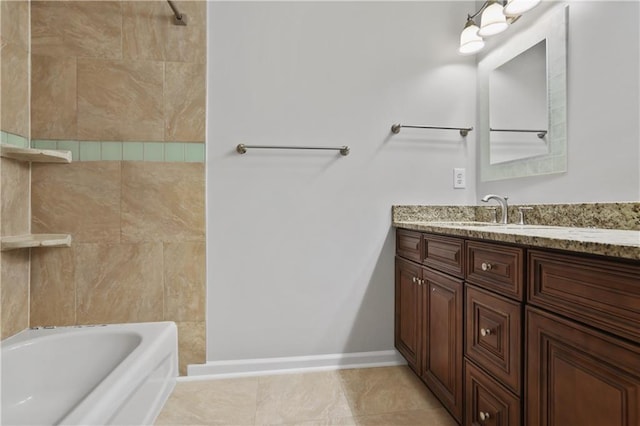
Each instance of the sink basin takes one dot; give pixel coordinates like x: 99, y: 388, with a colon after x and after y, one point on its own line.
x: 461, y: 223
x: 496, y: 226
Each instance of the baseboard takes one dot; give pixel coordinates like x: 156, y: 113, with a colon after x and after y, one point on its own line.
x: 297, y: 364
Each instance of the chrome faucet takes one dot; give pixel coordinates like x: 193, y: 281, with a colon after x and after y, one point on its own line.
x: 503, y: 205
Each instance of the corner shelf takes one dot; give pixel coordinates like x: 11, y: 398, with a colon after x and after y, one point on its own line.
x: 34, y: 155
x: 35, y: 240
x: 31, y: 155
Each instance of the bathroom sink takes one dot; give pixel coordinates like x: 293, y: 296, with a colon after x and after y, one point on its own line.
x: 494, y: 226
x: 463, y: 223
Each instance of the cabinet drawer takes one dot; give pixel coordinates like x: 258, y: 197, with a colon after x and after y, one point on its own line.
x: 487, y: 402
x: 444, y: 254
x: 408, y: 244
x: 496, y: 267
x: 493, y: 335
x: 600, y: 293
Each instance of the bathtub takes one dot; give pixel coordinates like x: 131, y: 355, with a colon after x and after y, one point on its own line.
x: 118, y: 374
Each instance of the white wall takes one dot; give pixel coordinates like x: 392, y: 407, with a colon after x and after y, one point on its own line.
x: 299, y: 244
x: 603, y: 112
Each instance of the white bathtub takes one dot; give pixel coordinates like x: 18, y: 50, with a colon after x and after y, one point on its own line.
x: 118, y: 374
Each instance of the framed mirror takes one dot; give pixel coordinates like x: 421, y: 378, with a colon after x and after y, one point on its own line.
x: 522, y: 102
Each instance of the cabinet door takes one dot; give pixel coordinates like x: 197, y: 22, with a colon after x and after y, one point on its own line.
x: 579, y: 376
x: 442, y: 346
x: 407, y: 316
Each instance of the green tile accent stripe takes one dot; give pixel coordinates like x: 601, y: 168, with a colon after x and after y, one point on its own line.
x: 176, y: 152
x: 11, y: 139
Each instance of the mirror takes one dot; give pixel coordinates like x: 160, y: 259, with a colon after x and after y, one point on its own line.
x: 522, y: 102
x: 518, y: 117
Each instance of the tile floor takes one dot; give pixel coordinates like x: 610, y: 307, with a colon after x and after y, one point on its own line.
x: 373, y: 396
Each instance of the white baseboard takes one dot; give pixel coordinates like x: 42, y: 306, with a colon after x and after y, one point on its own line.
x: 296, y: 364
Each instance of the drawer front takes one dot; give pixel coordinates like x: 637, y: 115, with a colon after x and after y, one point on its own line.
x: 493, y: 335
x: 599, y: 293
x: 487, y: 402
x: 497, y: 268
x: 408, y: 244
x: 444, y: 254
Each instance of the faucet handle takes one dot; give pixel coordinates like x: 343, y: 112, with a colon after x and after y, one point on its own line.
x: 493, y: 213
x: 521, y: 211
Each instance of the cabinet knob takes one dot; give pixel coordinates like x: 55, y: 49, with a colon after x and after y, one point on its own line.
x: 486, y: 266
x: 415, y: 280
x: 485, y: 332
x: 484, y: 416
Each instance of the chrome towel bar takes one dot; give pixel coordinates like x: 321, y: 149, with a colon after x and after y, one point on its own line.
x: 541, y: 133
x: 464, y: 131
x: 242, y: 148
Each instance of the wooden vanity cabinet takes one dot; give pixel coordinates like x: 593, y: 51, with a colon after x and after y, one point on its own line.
x: 428, y: 313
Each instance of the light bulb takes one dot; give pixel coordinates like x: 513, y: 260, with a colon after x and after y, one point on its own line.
x: 518, y: 7
x: 470, y: 41
x: 493, y: 20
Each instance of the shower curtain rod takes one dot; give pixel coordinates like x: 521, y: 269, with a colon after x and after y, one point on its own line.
x: 180, y: 18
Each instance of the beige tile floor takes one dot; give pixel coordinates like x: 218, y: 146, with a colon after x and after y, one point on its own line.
x: 386, y: 396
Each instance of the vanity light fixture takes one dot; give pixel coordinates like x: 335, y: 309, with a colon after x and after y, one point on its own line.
x: 470, y: 41
x: 518, y: 7
x: 496, y: 17
x: 493, y: 20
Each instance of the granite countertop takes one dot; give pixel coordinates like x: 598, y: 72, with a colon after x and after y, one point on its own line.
x: 608, y: 242
x: 607, y: 229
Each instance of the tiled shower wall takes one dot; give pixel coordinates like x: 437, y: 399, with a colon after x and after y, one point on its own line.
x: 115, y: 81
x: 14, y: 175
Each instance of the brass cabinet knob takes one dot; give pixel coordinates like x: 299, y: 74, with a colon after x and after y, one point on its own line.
x: 484, y: 416
x: 486, y: 266
x: 485, y: 332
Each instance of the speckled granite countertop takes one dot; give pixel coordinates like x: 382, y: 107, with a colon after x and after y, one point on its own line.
x: 623, y: 243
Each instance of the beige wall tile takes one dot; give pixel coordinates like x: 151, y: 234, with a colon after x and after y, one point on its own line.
x: 184, y: 101
x: 184, y: 281
x: 118, y: 283
x: 14, y: 89
x: 14, y: 294
x: 149, y: 32
x: 144, y: 27
x: 53, y: 291
x: 81, y: 198
x: 120, y: 100
x: 191, y: 344
x: 53, y: 98
x: 14, y: 27
x: 192, y: 403
x: 77, y: 28
x: 162, y: 201
x: 14, y: 209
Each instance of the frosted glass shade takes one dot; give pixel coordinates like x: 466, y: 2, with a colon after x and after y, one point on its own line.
x: 493, y: 21
x: 518, y: 7
x: 470, y: 41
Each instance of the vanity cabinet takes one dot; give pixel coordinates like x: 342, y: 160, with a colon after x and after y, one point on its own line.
x: 428, y: 312
x: 541, y: 337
